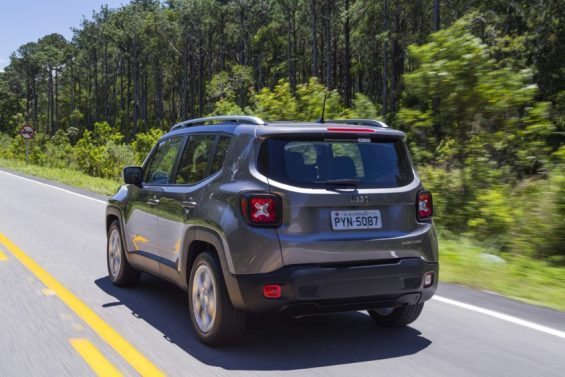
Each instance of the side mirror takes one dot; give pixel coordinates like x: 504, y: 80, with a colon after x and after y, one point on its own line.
x: 133, y: 175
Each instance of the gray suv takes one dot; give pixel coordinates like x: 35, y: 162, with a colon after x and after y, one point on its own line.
x: 295, y: 218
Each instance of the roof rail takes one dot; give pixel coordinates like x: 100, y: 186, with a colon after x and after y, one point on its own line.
x: 242, y: 119
x: 360, y: 122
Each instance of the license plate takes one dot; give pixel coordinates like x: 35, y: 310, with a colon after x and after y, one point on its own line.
x: 349, y: 220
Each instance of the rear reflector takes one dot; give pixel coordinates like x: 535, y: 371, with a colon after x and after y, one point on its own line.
x: 428, y: 279
x: 351, y: 130
x: 272, y: 291
x: 424, y: 206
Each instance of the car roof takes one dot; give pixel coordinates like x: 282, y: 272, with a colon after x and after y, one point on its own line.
x: 260, y: 128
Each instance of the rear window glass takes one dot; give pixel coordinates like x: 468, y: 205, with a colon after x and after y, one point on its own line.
x: 315, y: 163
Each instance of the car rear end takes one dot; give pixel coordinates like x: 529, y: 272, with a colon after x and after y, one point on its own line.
x: 353, y: 221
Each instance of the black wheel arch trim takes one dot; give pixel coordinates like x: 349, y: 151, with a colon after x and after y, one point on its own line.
x: 112, y: 210
x: 213, y: 238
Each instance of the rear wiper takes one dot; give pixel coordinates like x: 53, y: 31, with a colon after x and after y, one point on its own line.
x: 339, y: 182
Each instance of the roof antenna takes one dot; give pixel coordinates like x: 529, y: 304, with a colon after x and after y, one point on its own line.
x: 322, y: 120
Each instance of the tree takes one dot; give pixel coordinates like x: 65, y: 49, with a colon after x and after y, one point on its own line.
x: 485, y: 107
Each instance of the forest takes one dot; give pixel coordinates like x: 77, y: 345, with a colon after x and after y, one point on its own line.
x: 478, y: 86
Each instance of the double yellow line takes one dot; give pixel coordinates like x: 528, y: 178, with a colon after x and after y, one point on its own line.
x: 125, y: 349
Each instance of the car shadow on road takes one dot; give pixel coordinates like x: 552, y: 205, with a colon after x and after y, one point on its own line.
x: 268, y: 344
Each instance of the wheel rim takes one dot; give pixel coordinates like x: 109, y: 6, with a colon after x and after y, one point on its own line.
x: 115, y: 252
x: 204, y: 298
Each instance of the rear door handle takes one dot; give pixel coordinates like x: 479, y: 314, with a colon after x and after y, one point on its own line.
x: 189, y: 204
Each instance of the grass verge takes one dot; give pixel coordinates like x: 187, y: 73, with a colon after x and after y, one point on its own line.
x: 66, y: 176
x: 463, y: 261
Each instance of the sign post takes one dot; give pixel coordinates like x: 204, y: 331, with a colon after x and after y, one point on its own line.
x: 27, y: 132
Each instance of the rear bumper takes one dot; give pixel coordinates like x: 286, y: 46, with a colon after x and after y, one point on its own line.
x: 311, y: 289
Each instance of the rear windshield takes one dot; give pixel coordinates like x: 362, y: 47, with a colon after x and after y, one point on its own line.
x: 362, y: 163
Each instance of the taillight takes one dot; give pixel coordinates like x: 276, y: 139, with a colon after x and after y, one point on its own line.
x: 424, y: 206
x: 351, y: 129
x: 261, y: 209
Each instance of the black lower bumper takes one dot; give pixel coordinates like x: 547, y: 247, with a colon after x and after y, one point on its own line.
x: 311, y: 289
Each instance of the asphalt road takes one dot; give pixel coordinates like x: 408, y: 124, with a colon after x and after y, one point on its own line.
x: 44, y: 328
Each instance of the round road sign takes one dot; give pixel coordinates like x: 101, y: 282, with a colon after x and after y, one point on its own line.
x: 27, y: 132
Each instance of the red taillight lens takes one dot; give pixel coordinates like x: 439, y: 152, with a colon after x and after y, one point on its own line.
x: 424, y: 206
x: 351, y: 129
x: 261, y: 209
x: 272, y: 291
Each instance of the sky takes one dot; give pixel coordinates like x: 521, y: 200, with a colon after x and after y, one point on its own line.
x: 23, y: 21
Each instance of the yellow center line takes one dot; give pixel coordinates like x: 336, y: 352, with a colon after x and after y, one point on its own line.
x: 94, y: 358
x: 3, y: 257
x: 125, y: 349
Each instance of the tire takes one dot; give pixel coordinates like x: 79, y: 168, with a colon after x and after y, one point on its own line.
x: 401, y: 316
x: 213, y: 316
x: 120, y: 271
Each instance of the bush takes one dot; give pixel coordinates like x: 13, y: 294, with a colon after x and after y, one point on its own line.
x: 100, y: 154
x: 143, y: 143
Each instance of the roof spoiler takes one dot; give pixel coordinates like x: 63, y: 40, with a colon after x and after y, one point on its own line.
x: 360, y: 122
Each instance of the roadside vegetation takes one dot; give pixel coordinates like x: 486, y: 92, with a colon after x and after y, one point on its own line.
x: 482, y: 101
x: 63, y: 175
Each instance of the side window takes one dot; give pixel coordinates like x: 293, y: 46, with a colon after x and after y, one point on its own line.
x: 221, y: 150
x: 163, y: 162
x: 194, y: 162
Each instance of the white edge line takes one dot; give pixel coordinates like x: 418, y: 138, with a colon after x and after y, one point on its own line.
x: 477, y: 309
x: 54, y: 187
x: 502, y: 316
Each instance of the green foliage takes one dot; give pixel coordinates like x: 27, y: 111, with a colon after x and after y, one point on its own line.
x: 231, y: 85
x: 482, y: 100
x: 226, y: 107
x: 459, y: 93
x: 64, y: 175
x: 522, y: 277
x: 305, y: 105
x: 519, y: 219
x: 363, y: 108
x: 99, y: 153
x: 143, y: 143
x: 59, y: 151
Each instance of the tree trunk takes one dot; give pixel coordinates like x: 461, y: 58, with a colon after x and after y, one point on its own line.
x: 184, y: 87
x: 347, y: 58
x: 291, y: 68
x: 56, y: 101
x: 436, y: 20
x: 106, y: 85
x: 50, y: 101
x: 328, y: 45
x: 28, y: 98
x: 314, y: 17
x: 72, y: 99
x: 192, y: 86
x: 136, y: 91
x: 397, y: 59
x: 35, y: 110
x: 96, y: 108
x: 222, y: 40
x: 436, y: 101
x: 128, y: 90
x: 201, y: 79
x: 385, y: 58
x: 144, y: 94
